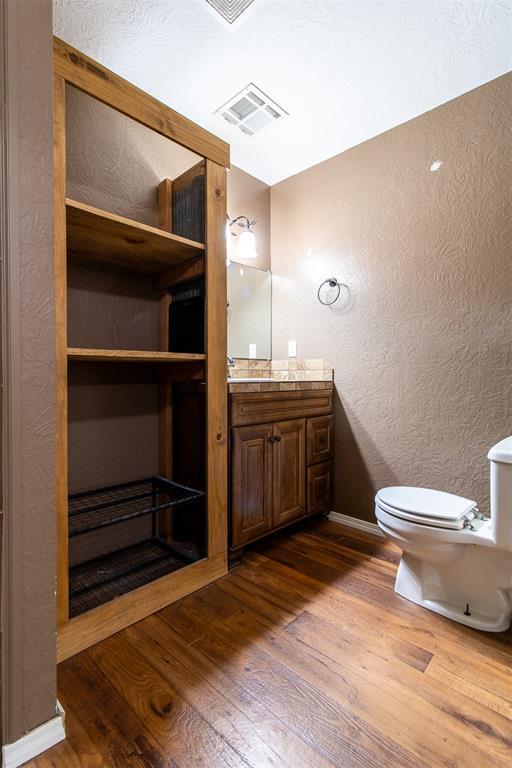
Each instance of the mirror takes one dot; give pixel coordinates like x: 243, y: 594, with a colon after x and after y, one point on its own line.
x: 249, y: 312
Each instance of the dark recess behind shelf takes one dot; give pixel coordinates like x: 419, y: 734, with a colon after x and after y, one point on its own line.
x: 111, y: 308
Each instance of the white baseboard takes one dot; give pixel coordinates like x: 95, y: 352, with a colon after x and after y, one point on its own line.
x: 34, y: 742
x: 353, y: 522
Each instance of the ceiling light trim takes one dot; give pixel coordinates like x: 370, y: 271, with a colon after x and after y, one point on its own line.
x: 230, y: 10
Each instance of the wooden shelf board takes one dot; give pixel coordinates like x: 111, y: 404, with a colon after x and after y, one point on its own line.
x: 101, y: 236
x: 131, y: 356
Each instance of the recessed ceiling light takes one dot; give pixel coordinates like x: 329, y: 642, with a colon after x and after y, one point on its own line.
x: 230, y: 10
x: 250, y: 110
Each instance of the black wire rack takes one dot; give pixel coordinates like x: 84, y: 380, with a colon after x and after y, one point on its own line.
x: 104, y: 578
x: 91, y: 510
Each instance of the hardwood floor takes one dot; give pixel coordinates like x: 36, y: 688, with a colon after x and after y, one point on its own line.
x: 302, y: 657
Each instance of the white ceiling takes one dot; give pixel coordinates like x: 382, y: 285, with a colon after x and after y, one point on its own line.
x: 345, y: 71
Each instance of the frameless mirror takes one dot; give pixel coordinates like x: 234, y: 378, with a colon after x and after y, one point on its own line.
x: 249, y: 312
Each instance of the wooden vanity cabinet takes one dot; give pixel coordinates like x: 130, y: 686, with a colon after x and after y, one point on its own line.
x: 281, y: 470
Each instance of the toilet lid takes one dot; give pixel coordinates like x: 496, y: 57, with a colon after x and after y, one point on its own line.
x: 426, y: 504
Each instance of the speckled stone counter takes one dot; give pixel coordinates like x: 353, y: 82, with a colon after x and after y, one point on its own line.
x: 277, y: 386
x: 283, y: 375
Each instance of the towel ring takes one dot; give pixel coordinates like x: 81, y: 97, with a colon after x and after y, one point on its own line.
x: 332, y: 282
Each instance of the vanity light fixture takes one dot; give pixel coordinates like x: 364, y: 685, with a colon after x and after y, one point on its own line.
x: 246, y: 246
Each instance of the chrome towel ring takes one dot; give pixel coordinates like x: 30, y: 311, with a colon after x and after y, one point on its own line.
x: 332, y: 282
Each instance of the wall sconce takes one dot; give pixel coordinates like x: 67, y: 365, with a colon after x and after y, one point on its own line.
x: 246, y: 246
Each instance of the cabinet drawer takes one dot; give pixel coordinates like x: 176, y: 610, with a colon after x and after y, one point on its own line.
x: 320, y: 438
x: 263, y: 407
x: 319, y: 484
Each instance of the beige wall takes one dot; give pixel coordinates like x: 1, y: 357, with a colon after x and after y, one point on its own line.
x: 248, y: 196
x: 115, y: 163
x: 28, y: 372
x: 422, y: 345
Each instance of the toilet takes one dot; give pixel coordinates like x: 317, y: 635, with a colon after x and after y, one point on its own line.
x: 455, y: 561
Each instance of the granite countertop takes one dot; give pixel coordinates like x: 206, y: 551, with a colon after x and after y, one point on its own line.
x: 277, y: 386
x: 283, y: 375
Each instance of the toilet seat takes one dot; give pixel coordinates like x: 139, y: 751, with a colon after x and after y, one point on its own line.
x: 426, y: 506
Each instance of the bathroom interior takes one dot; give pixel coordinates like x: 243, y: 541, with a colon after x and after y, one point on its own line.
x: 257, y: 478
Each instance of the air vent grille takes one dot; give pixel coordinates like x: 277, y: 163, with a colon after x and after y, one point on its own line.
x: 230, y: 10
x: 250, y: 110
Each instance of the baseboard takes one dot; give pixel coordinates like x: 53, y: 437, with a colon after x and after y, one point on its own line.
x: 353, y: 522
x: 34, y: 742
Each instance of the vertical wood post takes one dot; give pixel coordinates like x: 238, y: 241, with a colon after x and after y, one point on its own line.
x: 59, y: 172
x: 216, y: 351
x: 165, y: 205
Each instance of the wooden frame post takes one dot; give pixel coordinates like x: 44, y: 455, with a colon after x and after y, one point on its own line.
x: 59, y: 173
x: 216, y: 352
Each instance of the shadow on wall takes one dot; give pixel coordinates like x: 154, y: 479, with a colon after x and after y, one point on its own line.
x: 354, y: 488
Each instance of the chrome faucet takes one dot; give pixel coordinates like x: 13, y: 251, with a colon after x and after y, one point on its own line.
x: 231, y: 364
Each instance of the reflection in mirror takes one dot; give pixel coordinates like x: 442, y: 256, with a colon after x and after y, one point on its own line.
x: 249, y: 312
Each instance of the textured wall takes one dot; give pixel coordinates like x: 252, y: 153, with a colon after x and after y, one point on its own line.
x: 422, y: 344
x: 29, y: 614
x: 248, y: 196
x: 115, y: 163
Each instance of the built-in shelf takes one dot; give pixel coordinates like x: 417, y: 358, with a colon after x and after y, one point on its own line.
x: 96, y: 582
x: 132, y: 356
x: 101, y: 236
x: 102, y: 507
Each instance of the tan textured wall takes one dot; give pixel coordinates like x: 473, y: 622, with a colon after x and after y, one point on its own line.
x: 115, y: 163
x: 248, y: 196
x: 422, y: 345
x: 28, y: 610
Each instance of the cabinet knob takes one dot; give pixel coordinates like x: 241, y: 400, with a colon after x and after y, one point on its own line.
x: 277, y: 438
x: 271, y: 439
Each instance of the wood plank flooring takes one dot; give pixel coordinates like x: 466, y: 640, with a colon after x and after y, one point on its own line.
x: 302, y: 657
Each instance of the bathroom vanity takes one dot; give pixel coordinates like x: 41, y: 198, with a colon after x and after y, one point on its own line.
x: 281, y: 438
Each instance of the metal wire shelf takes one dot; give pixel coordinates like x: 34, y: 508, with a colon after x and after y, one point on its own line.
x: 91, y: 510
x: 104, y: 578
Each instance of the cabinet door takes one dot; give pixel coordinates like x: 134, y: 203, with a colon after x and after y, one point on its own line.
x: 320, y: 438
x: 289, y: 479
x: 320, y: 487
x: 251, y: 481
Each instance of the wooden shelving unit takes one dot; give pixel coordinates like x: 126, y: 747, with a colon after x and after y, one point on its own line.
x: 102, y: 236
x: 98, y: 236
x: 131, y: 356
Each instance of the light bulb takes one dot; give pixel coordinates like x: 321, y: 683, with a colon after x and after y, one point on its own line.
x: 246, y: 248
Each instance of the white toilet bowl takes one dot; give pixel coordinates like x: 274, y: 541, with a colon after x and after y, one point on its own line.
x: 455, y: 562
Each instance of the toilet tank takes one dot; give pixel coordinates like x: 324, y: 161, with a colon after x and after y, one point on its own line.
x: 500, y: 457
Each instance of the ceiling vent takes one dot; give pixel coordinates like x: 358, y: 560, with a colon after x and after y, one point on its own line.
x: 251, y: 110
x: 230, y: 10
